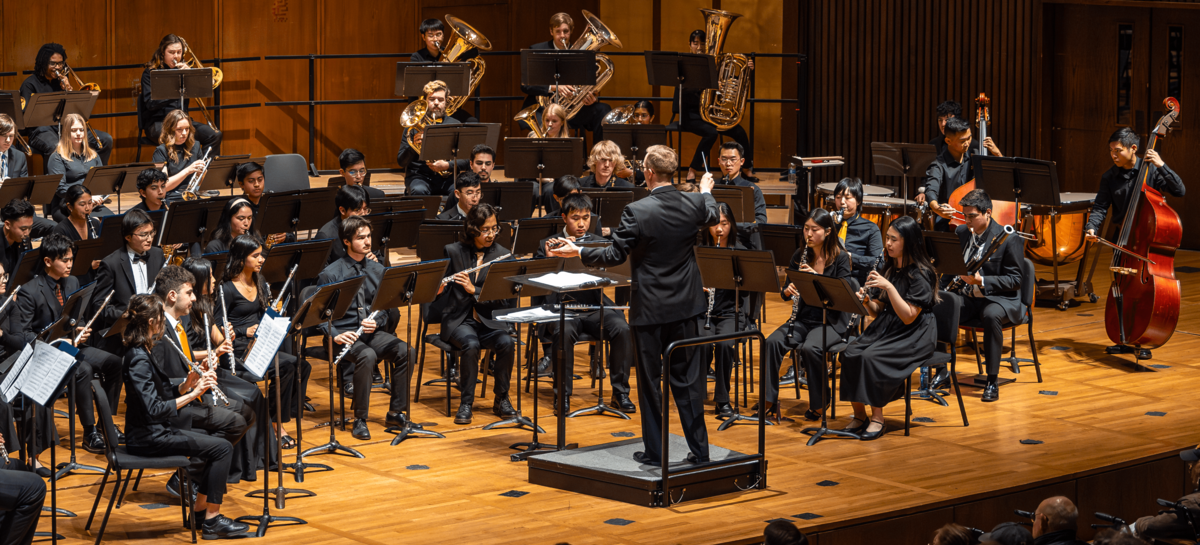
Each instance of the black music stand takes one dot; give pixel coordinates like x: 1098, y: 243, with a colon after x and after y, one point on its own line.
x: 514, y: 199
x: 394, y: 230
x: 442, y: 141
x: 634, y: 140
x: 105, y: 180
x: 531, y: 231
x: 218, y: 260
x: 330, y: 300
x: 431, y: 203
x: 35, y: 189
x: 24, y: 271
x: 64, y: 327
x: 682, y: 71
x: 742, y: 204
x: 385, y: 205
x: 181, y: 83
x: 738, y: 270
x: 190, y: 222
x: 826, y: 293
x: 292, y: 211
x: 411, y: 77
x: 47, y: 109
x: 558, y: 67
x: 542, y: 157
x: 434, y: 235
x: 904, y: 160
x: 945, y: 252
x: 309, y: 255
x: 608, y: 205
x: 221, y: 172
x: 402, y: 286
x: 10, y: 105
x: 782, y: 240
x: 87, y: 251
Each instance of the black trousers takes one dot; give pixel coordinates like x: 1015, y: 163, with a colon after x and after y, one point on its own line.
x: 106, y: 366
x: 616, y: 332
x: 362, y: 358
x: 723, y: 352
x: 693, y: 123
x: 217, y: 420
x: 992, y: 319
x: 207, y: 136
x: 469, y: 338
x: 591, y: 118
x: 808, y: 339
x: 44, y: 143
x: 687, y: 380
x: 214, y: 452
x: 435, y: 186
x: 22, y: 495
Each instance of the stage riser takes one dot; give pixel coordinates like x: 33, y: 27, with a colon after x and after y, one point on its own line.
x: 692, y: 487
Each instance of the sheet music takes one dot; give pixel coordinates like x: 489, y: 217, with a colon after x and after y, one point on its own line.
x: 270, y: 333
x: 565, y: 279
x: 10, y: 386
x: 45, y: 371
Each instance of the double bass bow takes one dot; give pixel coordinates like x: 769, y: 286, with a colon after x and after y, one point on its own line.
x: 1005, y: 212
x: 1143, y: 303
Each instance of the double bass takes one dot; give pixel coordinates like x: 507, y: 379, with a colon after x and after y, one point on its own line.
x: 1005, y: 212
x: 1143, y: 303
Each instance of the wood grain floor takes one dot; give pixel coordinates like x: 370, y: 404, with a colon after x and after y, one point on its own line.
x: 429, y: 491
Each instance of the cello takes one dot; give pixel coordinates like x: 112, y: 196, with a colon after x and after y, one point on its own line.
x: 1005, y: 212
x: 1143, y: 303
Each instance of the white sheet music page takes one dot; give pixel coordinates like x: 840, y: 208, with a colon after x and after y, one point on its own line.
x: 271, y: 331
x: 45, y: 372
x: 565, y: 279
x: 10, y: 386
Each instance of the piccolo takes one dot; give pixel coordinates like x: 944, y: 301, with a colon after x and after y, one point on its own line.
x: 196, y: 369
x: 450, y: 278
x: 12, y: 297
x: 89, y: 324
x: 357, y: 333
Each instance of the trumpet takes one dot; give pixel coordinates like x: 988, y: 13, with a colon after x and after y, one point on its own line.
x: 193, y: 185
x: 450, y: 278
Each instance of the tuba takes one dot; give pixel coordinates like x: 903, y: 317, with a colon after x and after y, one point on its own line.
x: 528, y: 116
x: 596, y: 36
x: 619, y: 116
x: 464, y: 38
x: 724, y: 105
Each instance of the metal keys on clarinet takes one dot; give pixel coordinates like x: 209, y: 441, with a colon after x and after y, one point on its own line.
x: 866, y: 292
x: 796, y: 298
x: 450, y: 278
x: 357, y: 334
x: 712, y: 299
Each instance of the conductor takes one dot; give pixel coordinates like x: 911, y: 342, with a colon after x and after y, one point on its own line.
x: 657, y: 234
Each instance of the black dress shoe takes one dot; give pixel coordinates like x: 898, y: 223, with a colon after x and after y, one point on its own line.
x: 991, y: 392
x: 308, y: 407
x: 873, y: 435
x: 544, y: 369
x: 503, y: 408
x: 811, y: 415
x: 221, y: 526
x: 395, y: 419
x: 724, y: 410
x: 622, y: 403
x: 641, y: 458
x: 693, y: 459
x: 597, y: 370
x: 712, y: 375
x: 789, y: 377
x: 360, y: 431
x: 174, y: 485
x: 120, y: 437
x: 463, y: 416
x: 43, y: 472
x: 565, y: 407
x: 94, y: 443
x: 856, y: 430
x: 941, y: 379
x: 375, y: 376
x: 349, y: 388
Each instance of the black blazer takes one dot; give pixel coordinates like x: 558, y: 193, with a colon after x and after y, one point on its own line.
x: 586, y: 297
x: 1002, y: 272
x: 37, y: 307
x: 150, y: 413
x: 115, y: 273
x: 451, y: 214
x: 657, y: 233
x: 614, y: 183
x: 17, y: 167
x: 454, y: 302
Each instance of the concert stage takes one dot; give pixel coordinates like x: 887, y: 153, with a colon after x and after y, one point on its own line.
x: 1109, y: 432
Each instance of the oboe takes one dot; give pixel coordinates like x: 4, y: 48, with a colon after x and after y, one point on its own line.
x: 712, y: 299
x: 866, y: 293
x: 357, y: 333
x: 89, y: 324
x: 196, y: 369
x: 796, y: 298
x: 450, y: 278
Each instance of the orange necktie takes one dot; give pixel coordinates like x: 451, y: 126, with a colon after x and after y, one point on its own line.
x: 183, y: 342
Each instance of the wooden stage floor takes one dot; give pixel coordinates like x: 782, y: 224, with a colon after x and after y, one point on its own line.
x: 453, y: 490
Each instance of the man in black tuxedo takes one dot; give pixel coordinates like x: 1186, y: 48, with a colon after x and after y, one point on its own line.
x: 18, y: 222
x: 351, y: 200
x: 993, y: 294
x: 428, y: 177
x: 467, y: 192
x: 39, y: 305
x: 577, y: 213
x: 657, y: 234
x: 590, y: 116
x: 127, y: 271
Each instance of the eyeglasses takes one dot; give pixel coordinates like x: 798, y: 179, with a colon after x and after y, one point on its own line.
x: 357, y: 173
x: 145, y: 234
x: 57, y: 64
x: 728, y: 160
x: 4, y: 277
x: 490, y: 230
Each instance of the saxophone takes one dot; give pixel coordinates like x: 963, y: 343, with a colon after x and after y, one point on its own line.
x: 796, y: 298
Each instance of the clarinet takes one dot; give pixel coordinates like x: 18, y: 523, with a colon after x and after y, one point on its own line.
x: 357, y: 333
x: 796, y: 298
x: 712, y: 299
x: 866, y: 295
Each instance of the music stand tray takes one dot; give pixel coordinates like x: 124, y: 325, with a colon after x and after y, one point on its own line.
x: 515, y: 199
x: 543, y: 157
x: 558, y: 67
x: 45, y: 109
x: 35, y: 189
x: 411, y: 77
x: 945, y: 252
x: 292, y: 211
x: 181, y: 83
x: 634, y: 140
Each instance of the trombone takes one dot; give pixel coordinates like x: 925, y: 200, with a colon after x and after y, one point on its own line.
x: 28, y: 151
x: 218, y: 77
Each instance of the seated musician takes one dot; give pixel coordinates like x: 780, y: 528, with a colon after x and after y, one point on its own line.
x: 237, y: 219
x: 18, y: 222
x: 156, y: 427
x: 12, y: 161
x: 23, y: 493
x: 50, y: 76
x: 246, y: 296
x: 152, y: 188
x: 375, y: 343
x: 563, y: 186
x: 79, y: 224
x: 483, y: 160
x: 467, y: 192
x: 467, y: 324
x: 720, y: 317
x: 643, y: 114
x: 252, y: 182
x: 732, y: 160
x: 604, y: 159
x: 993, y: 294
x: 1115, y: 186
x: 351, y: 200
x: 39, y: 305
x: 591, y: 116
x: 691, y: 121
x: 951, y: 169
x: 26, y: 442
x: 427, y: 177
x: 553, y: 125
x: 179, y: 153
x: 823, y: 255
x: 127, y: 271
x: 860, y: 237
x: 432, y: 39
x: 902, y: 335
x: 72, y: 159
x: 577, y: 213
x: 174, y: 287
x: 169, y: 55
x: 352, y: 165
x: 945, y: 111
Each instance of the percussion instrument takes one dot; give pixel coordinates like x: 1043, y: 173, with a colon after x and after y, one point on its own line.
x: 1061, y: 227
x: 882, y: 211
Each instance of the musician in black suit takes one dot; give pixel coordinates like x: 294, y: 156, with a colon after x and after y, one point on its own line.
x: 951, y: 169
x: 18, y: 222
x: 22, y: 494
x: 12, y: 161
x: 52, y: 57
x: 157, y: 428
x: 467, y: 192
x: 39, y: 304
x: 577, y: 213
x: 351, y: 200
x: 352, y: 166
x: 375, y: 343
x: 993, y: 294
x: 591, y: 116
x: 127, y: 271
x: 732, y: 159
x: 432, y: 39
x: 467, y: 324
x: 657, y: 234
x: 691, y: 120
x: 152, y: 187
x: 428, y: 177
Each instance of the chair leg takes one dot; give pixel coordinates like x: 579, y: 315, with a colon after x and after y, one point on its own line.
x: 121, y: 500
x: 1037, y: 365
x: 112, y: 500
x: 957, y: 392
x: 796, y: 374
x: 139, y: 479
x: 95, y: 504
x: 907, y: 402
x: 975, y: 344
x: 832, y: 364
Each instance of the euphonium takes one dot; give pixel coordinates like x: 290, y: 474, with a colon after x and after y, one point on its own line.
x: 528, y: 116
x: 596, y: 36
x: 464, y: 38
x: 619, y: 116
x: 724, y: 105
x: 414, y: 119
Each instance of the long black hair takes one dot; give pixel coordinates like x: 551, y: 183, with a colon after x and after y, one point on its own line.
x: 239, y: 250
x: 74, y: 192
x: 832, y: 246
x: 201, y: 270
x: 732, y: 239
x: 224, y: 230
x: 914, y: 251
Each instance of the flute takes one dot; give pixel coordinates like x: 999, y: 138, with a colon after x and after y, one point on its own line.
x: 12, y: 297
x: 283, y: 289
x: 225, y: 327
x: 4, y: 454
x: 357, y: 333
x: 89, y: 324
x: 196, y: 369
x: 450, y: 278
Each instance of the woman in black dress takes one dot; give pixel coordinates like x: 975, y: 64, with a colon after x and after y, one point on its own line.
x: 172, y: 53
x: 902, y: 335
x: 246, y: 297
x: 823, y: 255
x: 179, y: 151
x: 72, y: 159
x: 719, y: 319
x: 237, y: 219
x: 78, y: 224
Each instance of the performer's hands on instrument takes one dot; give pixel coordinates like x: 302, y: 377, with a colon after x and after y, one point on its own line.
x: 1090, y: 235
x: 805, y: 268
x: 226, y: 347
x: 207, y: 381
x: 564, y: 90
x: 791, y: 290
x: 1153, y: 157
x: 86, y: 333
x: 707, y: 182
x: 346, y: 338
x: 463, y: 279
x: 626, y: 173
x: 944, y: 210
x: 876, y: 280
x: 196, y: 166
x: 589, y: 99
x: 368, y: 326
x: 551, y: 244
x: 439, y: 166
x: 991, y: 147
x: 561, y: 247
x: 976, y: 280
x: 191, y: 382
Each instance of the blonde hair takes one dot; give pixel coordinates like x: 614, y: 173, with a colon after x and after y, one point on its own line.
x: 662, y: 160
x: 435, y: 86
x: 605, y: 149
x: 557, y: 110
x: 167, y: 138
x: 64, y: 139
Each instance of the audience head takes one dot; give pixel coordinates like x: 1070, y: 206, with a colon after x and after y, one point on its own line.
x: 18, y: 220
x: 352, y: 165
x: 483, y: 160
x: 352, y: 200
x: 783, y: 532
x: 660, y: 165
x: 144, y: 326
x: 138, y: 231
x: 952, y: 534
x: 1055, y: 515
x: 1009, y: 533
x: 467, y: 190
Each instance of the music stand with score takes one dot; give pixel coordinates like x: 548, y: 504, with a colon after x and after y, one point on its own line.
x: 181, y: 84
x: 682, y: 71
x: 904, y: 160
x: 411, y: 77
x: 542, y: 157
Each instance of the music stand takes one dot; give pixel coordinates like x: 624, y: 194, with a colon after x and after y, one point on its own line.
x: 531, y: 231
x: 87, y: 251
x: 383, y: 206
x: 104, y: 180
x: 945, y: 252
x: 826, y: 293
x: 24, y: 271
x: 35, y: 189
x: 558, y: 67
x: 189, y: 222
x: 899, y: 159
x: 330, y: 300
x: 732, y: 196
x: 308, y: 255
x: 514, y: 199
x: 47, y: 109
x: 782, y: 240
x: 411, y: 77
x: 434, y: 235
x: 634, y: 140
x: 110, y: 229
x: 292, y: 211
x: 10, y: 105
x: 218, y: 260
x: 609, y: 205
x: 431, y: 203
x: 681, y: 70
x: 542, y: 157
x: 181, y: 83
x: 442, y: 141
x: 221, y: 172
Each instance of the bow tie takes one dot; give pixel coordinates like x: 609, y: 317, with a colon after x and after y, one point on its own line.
x: 140, y: 257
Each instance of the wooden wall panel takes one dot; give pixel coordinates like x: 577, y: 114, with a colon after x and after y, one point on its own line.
x: 985, y: 514
x: 915, y: 529
x: 760, y: 29
x: 633, y: 22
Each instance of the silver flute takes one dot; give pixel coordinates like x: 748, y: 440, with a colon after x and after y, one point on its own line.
x: 357, y: 333
x: 450, y: 278
x: 796, y: 298
x: 226, y: 329
x: 11, y: 297
x: 196, y: 369
x: 89, y: 324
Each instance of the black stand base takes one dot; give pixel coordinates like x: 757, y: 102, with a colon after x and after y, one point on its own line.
x: 739, y: 417
x: 59, y: 510
x: 599, y: 409
x: 824, y: 433
x: 519, y: 421
x: 66, y: 468
x: 280, y: 493
x: 411, y: 429
x: 299, y: 468
x: 48, y: 535
x: 531, y: 448
x: 332, y: 447
x: 262, y: 522
x: 979, y: 381
x: 934, y: 395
